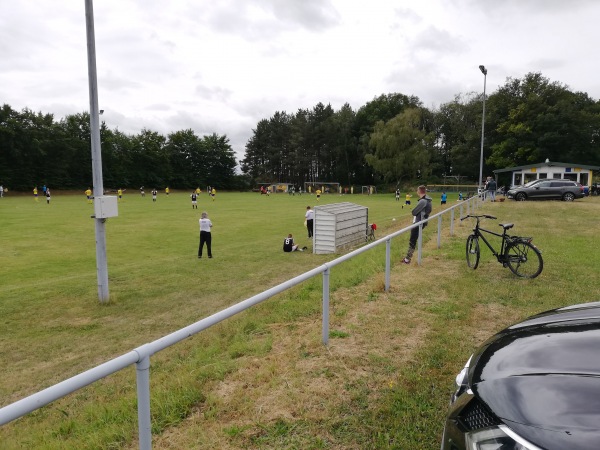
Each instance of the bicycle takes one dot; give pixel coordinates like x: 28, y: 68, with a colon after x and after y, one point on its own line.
x: 516, y: 252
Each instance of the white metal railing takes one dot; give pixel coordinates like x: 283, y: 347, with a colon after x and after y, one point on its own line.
x: 141, y: 355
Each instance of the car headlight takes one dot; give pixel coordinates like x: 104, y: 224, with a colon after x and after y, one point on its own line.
x: 497, y: 438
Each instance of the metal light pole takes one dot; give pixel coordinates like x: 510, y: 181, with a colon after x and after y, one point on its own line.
x: 101, y: 265
x: 484, y: 72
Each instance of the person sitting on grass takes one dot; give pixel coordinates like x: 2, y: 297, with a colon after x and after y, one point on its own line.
x: 290, y: 246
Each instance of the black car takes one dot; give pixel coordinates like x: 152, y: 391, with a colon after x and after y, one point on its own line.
x: 534, y: 385
x: 566, y: 190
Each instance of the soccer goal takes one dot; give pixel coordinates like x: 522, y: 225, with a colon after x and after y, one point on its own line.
x: 368, y: 190
x: 324, y: 187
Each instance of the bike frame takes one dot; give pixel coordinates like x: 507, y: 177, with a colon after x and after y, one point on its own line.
x: 478, y: 232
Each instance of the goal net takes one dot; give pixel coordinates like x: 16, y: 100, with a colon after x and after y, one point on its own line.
x: 368, y: 190
x: 324, y: 187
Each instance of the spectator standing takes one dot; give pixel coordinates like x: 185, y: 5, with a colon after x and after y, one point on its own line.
x: 420, y: 212
x: 47, y: 196
x: 205, y: 235
x: 397, y: 195
x: 491, y: 187
x: 309, y: 216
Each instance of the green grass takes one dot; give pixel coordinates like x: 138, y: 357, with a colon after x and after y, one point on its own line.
x: 53, y: 326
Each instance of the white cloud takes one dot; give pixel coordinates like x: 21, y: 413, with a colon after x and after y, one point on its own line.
x: 222, y: 66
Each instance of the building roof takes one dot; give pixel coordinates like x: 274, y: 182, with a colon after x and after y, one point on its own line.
x: 547, y: 164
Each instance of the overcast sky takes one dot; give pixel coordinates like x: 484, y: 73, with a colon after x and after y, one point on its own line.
x: 221, y: 66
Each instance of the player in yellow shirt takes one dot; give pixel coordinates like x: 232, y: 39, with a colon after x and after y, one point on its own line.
x: 198, y: 191
x: 35, y: 194
x: 88, y: 194
x: 167, y: 190
x: 213, y: 193
x: 407, y: 201
x: 318, y: 192
x: 120, y: 193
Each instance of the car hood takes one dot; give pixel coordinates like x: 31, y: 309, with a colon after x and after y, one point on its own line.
x: 541, y: 377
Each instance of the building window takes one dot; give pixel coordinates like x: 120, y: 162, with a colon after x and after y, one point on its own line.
x: 542, y: 176
x: 557, y: 176
x: 583, y: 179
x: 571, y: 176
x: 530, y: 177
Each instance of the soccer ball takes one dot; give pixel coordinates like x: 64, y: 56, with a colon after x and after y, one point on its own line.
x: 394, y: 219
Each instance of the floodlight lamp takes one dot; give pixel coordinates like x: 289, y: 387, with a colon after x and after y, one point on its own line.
x: 483, y: 69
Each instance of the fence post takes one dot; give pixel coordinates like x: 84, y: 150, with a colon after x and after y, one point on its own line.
x: 326, y: 306
x: 468, y: 207
x: 439, y: 243
x: 388, y: 257
x: 452, y: 222
x: 420, y: 242
x: 142, y: 368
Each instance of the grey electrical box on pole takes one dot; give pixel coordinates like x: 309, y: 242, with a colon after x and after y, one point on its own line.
x: 101, y: 265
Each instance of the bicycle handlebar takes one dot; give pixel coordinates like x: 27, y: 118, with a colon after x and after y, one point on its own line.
x: 485, y: 216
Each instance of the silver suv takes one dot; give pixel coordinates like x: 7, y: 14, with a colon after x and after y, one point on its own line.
x: 566, y: 190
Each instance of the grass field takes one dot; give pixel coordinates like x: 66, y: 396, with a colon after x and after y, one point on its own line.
x: 262, y: 380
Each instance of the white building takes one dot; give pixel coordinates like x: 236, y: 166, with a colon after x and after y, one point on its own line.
x: 552, y: 170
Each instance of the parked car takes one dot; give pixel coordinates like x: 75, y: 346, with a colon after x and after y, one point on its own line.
x: 566, y: 190
x: 534, y: 385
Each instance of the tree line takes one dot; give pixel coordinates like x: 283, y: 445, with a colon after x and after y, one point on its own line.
x: 395, y: 140
x: 36, y: 149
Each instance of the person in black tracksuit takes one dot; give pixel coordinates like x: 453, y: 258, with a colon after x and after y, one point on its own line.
x: 420, y: 212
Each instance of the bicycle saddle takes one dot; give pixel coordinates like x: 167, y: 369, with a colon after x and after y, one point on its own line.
x: 506, y: 226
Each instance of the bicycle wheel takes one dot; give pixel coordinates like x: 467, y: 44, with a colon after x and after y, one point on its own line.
x: 473, y: 251
x: 524, y: 259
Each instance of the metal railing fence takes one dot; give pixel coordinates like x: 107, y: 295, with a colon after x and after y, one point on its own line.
x: 141, y: 355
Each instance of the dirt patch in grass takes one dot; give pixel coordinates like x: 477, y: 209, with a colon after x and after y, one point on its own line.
x: 305, y: 385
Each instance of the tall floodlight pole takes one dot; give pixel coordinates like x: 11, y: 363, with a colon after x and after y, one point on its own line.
x: 101, y: 265
x: 484, y: 72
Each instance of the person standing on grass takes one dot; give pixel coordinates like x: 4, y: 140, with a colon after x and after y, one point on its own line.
x: 88, y: 194
x: 213, y: 193
x: 47, y: 196
x: 205, y: 235
x: 491, y: 187
x: 194, y: 200
x: 35, y: 194
x: 154, y: 194
x: 397, y: 195
x: 309, y: 216
x: 444, y: 198
x: 420, y: 212
x: 407, y: 200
